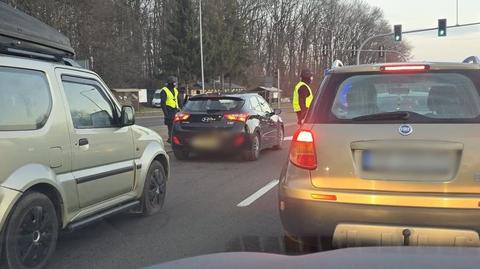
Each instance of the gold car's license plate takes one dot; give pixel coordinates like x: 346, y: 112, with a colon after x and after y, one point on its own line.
x: 426, y: 162
x: 207, y: 142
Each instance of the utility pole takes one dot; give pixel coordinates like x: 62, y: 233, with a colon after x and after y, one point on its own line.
x: 457, y: 12
x: 332, y: 39
x: 278, y: 87
x: 201, y: 47
x: 332, y: 43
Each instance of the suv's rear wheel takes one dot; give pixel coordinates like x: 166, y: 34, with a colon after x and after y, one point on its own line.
x: 155, y: 189
x: 31, y: 232
x: 253, y: 152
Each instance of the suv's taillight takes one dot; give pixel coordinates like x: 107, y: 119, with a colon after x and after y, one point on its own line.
x: 242, y: 117
x: 302, y: 150
x: 181, y: 117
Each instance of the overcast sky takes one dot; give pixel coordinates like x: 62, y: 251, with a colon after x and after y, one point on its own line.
x: 416, y: 14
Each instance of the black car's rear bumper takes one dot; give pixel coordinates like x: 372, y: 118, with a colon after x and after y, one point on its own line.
x: 226, y: 139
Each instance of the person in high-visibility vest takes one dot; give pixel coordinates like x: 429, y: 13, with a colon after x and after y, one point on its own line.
x: 302, y: 95
x: 170, y: 103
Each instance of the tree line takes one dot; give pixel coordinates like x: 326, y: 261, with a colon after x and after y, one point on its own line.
x: 138, y: 43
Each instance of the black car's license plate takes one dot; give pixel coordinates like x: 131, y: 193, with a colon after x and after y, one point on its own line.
x: 206, y: 142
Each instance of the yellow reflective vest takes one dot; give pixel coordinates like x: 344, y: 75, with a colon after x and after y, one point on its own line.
x: 296, y: 99
x: 172, y: 98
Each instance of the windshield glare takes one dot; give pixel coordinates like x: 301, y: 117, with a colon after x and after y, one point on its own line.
x: 436, y: 96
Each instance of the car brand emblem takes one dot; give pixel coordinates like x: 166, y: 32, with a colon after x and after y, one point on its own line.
x: 405, y: 129
x: 208, y: 119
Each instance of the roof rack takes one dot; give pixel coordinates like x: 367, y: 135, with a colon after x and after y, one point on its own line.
x: 472, y: 60
x: 24, y: 35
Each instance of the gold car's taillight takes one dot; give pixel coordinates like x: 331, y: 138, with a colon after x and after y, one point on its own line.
x: 302, y: 150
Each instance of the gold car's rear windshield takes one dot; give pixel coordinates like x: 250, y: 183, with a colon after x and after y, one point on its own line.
x: 429, y: 97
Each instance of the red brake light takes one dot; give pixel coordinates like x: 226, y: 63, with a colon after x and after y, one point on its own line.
x: 176, y: 140
x: 302, y: 151
x: 181, y: 117
x: 242, y: 117
x: 239, y: 139
x: 404, y: 68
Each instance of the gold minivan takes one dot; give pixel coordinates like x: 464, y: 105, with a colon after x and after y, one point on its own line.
x: 388, y: 155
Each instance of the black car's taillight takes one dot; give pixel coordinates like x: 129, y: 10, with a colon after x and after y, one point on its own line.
x: 181, y: 117
x: 241, y: 117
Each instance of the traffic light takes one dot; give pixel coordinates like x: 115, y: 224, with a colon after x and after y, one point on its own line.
x: 354, y: 50
x: 397, y: 30
x: 325, y: 50
x: 381, y: 51
x: 442, y: 27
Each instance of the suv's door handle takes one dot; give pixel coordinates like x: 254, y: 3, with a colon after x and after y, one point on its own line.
x: 82, y: 142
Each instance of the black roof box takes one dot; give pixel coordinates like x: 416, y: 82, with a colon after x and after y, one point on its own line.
x: 25, y: 35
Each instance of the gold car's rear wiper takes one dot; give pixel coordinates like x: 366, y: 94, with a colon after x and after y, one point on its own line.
x: 396, y: 115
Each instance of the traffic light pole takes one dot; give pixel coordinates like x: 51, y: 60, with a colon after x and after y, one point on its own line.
x: 360, y: 49
x: 388, y: 51
x: 406, y: 32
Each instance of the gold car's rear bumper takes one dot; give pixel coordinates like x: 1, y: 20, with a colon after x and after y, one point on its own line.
x: 460, y: 201
x: 311, y: 218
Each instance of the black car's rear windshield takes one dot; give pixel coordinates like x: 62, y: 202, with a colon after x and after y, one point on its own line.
x: 213, y: 104
x: 433, y: 97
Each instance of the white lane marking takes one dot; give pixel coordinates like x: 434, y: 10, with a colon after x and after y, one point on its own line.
x: 288, y: 138
x: 252, y: 198
x: 290, y: 124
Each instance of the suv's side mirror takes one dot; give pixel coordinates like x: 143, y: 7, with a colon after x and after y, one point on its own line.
x: 277, y: 111
x: 127, y: 117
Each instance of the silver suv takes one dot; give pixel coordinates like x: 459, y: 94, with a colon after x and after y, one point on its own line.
x: 71, y: 155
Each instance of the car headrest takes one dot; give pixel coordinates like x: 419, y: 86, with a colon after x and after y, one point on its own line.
x: 443, y: 99
x: 362, y: 100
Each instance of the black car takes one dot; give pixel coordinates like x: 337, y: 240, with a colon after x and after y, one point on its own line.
x: 242, y: 124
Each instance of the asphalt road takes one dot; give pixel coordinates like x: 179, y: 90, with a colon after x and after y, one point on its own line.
x: 200, y: 216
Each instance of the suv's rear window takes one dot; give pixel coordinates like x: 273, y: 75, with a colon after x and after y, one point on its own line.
x: 205, y: 104
x: 25, y: 101
x: 427, y: 97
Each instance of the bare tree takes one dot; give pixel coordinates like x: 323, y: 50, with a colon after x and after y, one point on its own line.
x: 134, y: 43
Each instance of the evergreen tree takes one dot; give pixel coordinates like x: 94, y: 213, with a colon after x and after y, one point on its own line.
x: 226, y: 50
x: 181, y: 52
